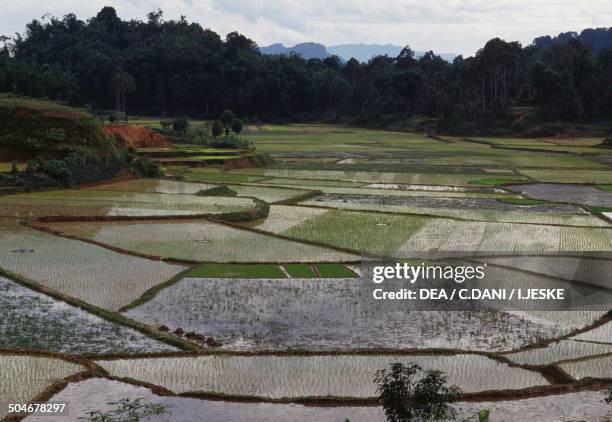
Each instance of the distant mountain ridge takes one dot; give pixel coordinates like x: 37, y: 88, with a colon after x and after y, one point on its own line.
x: 361, y: 52
x: 308, y: 50
x: 595, y: 38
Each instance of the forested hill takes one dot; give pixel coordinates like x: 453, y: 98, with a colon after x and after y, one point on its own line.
x: 596, y: 39
x: 178, y: 68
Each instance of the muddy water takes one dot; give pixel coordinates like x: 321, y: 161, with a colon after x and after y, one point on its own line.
x: 577, y: 194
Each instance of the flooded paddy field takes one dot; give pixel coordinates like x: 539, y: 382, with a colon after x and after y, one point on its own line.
x: 340, y: 376
x: 328, y: 314
x: 80, y: 270
x: 199, y: 240
x: 571, y: 193
x: 32, y: 320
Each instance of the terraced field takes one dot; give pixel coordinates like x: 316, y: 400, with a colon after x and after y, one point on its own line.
x: 328, y: 315
x: 24, y: 377
x: 257, y: 294
x: 290, y: 377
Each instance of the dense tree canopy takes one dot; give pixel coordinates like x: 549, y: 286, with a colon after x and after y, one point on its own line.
x: 175, y: 67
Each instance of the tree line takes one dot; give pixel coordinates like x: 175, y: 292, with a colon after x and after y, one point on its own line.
x: 177, y: 68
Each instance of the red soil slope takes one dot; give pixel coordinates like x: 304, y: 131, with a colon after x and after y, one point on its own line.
x: 136, y: 136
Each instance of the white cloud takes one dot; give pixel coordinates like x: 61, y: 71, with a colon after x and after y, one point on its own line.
x: 459, y: 26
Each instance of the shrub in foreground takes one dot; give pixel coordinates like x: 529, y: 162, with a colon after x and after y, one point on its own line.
x: 408, y: 393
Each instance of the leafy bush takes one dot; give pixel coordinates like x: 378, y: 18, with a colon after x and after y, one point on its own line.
x: 227, y: 117
x: 166, y: 124
x: 404, y: 398
x: 127, y: 410
x: 230, y: 142
x: 200, y: 136
x: 217, y: 129
x: 237, y: 126
x: 77, y: 168
x: 58, y: 170
x: 146, y: 168
x: 180, y: 125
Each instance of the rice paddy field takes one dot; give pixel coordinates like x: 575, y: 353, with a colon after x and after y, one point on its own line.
x: 24, y: 377
x: 159, y: 283
x: 32, y: 320
x: 328, y: 315
x: 96, y: 394
x: 282, y: 377
x: 90, y: 273
x: 200, y: 241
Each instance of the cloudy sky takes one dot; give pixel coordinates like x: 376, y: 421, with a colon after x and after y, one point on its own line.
x: 456, y: 26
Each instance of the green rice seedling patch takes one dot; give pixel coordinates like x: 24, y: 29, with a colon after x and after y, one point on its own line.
x: 23, y: 377
x: 497, y: 181
x: 329, y: 314
x: 237, y: 271
x: 87, y: 272
x: 334, y: 271
x: 373, y: 233
x: 600, y: 367
x: 606, y: 188
x: 279, y: 377
x: 200, y: 241
x: 32, y: 320
x: 559, y: 351
x: 300, y: 270
x: 575, y: 176
x: 577, y: 142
